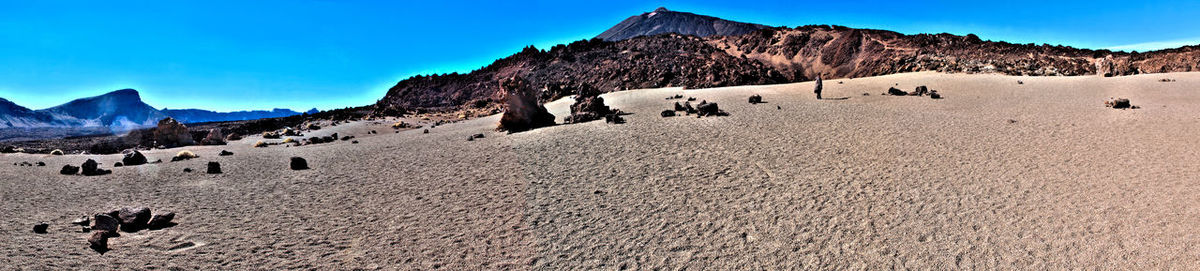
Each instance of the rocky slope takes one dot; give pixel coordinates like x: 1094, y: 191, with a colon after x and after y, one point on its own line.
x: 662, y: 21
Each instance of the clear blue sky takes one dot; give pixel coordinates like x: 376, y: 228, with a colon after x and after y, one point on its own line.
x: 236, y: 55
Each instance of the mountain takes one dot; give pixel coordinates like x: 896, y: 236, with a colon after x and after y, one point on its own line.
x: 116, y: 111
x: 763, y: 56
x: 121, y: 109
x: 662, y: 21
x: 199, y: 115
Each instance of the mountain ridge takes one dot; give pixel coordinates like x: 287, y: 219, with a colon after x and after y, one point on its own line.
x: 662, y: 20
x: 118, y: 110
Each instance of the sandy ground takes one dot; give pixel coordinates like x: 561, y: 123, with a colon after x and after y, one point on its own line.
x: 997, y: 175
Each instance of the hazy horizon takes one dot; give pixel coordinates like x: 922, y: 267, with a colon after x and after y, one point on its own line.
x: 233, y: 56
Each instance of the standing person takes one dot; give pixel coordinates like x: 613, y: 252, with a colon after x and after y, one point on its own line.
x: 817, y: 90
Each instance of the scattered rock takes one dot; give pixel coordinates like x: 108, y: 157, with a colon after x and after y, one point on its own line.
x: 669, y: 113
x: 896, y: 92
x: 347, y: 138
x: 133, y: 219
x: 260, y: 144
x: 271, y: 135
x: 523, y: 111
x: 171, y: 133
x: 708, y: 109
x: 214, y: 168
x: 614, y: 118
x: 214, y: 138
x: 187, y: 169
x: 679, y: 107
x: 69, y: 170
x: 934, y: 95
x: 1019, y: 82
x: 105, y: 222
x: 225, y: 153
x: 160, y: 221
x: 299, y: 163
x: 426, y: 131
x: 919, y: 91
x: 588, y: 105
x: 91, y: 168
x: 354, y: 142
x: 134, y: 158
x: 691, y: 99
x: 755, y: 99
x: 81, y: 221
x: 1120, y: 103
x: 40, y: 228
x: 688, y: 109
x: 118, y: 164
x: 99, y: 241
x: 41, y: 164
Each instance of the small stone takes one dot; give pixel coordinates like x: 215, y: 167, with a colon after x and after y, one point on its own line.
x: 426, y: 131
x: 41, y: 164
x: 354, y: 142
x: 755, y: 99
x: 225, y: 153
x: 214, y: 168
x: 118, y: 164
x: 40, y: 228
x: 668, y: 113
x: 299, y: 163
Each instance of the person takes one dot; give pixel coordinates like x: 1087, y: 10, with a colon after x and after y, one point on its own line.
x: 817, y: 90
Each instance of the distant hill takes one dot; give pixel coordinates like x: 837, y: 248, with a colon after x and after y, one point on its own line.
x: 116, y: 111
x: 691, y: 56
x: 662, y: 21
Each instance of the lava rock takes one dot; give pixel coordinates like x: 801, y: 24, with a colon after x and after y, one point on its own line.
x: 299, y: 163
x: 81, y: 221
x: 91, y: 168
x: 614, y: 118
x: 118, y: 164
x: 187, y: 169
x: 99, y: 241
x: 920, y: 91
x: 896, y: 92
x: 41, y: 164
x: 225, y: 153
x: 1121, y: 103
x: 934, y: 95
x: 160, y: 221
x: 214, y: 168
x: 588, y: 105
x: 133, y: 219
x: 105, y: 222
x: 679, y: 107
x: 523, y: 111
x: 40, y: 228
x: 708, y: 109
x: 69, y: 170
x: 134, y: 158
x: 668, y: 113
x: 755, y: 99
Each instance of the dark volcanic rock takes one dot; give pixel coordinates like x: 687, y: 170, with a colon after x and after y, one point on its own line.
x: 523, y: 111
x: 91, y: 168
x: 662, y: 21
x: 40, y: 228
x: 105, y: 222
x: 134, y: 158
x: 588, y: 105
x: 668, y: 113
x: 679, y: 107
x: 118, y: 164
x: 225, y: 153
x: 1120, y: 103
x: 214, y: 168
x: 69, y: 170
x: 98, y: 241
x: 133, y: 219
x: 708, y: 109
x: 160, y: 221
x: 896, y: 92
x: 755, y: 99
x: 299, y: 163
x: 920, y: 91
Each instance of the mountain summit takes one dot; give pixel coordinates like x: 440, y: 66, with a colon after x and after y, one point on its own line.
x: 662, y: 21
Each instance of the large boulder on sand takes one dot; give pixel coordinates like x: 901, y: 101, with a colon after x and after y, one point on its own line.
x: 171, y: 133
x: 522, y: 111
x: 133, y: 219
x: 91, y: 168
x: 588, y: 105
x: 896, y: 92
x: 134, y: 158
x: 160, y: 221
x: 214, y: 138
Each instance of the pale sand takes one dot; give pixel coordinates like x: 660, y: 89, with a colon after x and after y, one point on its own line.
x: 868, y: 182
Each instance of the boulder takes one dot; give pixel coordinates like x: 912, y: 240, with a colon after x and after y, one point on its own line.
x: 896, y: 92
x: 40, y: 228
x: 755, y: 99
x: 934, y: 95
x: 668, y: 113
x: 160, y: 221
x: 214, y: 138
x: 133, y: 219
x: 299, y: 163
x: 91, y: 168
x: 522, y: 111
x: 920, y: 91
x: 105, y: 222
x: 134, y: 158
x: 708, y: 109
x: 224, y: 153
x: 1120, y: 103
x: 69, y: 170
x: 679, y: 107
x: 214, y: 168
x: 118, y: 164
x: 171, y: 133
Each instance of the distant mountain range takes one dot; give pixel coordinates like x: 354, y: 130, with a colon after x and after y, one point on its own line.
x: 666, y: 48
x: 120, y: 110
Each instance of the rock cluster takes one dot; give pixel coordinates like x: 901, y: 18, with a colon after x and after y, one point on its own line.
x: 171, y: 133
x: 127, y: 219
x: 588, y: 105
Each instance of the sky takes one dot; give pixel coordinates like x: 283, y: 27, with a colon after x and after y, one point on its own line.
x: 264, y: 54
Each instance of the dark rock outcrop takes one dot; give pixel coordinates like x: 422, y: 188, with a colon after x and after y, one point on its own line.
x: 523, y: 111
x: 40, y: 228
x: 588, y: 105
x: 133, y: 218
x: 105, y: 222
x: 134, y: 158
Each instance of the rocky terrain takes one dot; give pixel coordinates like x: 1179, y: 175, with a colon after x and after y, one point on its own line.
x: 764, y: 56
